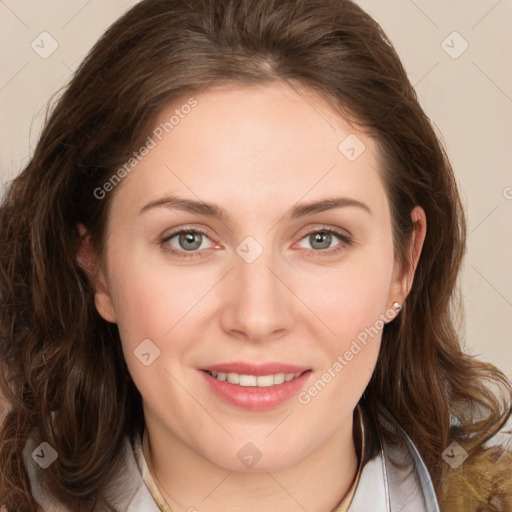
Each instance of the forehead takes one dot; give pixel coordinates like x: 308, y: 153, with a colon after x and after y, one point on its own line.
x: 254, y: 146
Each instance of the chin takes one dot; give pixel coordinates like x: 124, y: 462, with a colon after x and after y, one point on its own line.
x: 256, y: 456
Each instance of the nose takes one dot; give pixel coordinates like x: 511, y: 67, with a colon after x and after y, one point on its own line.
x: 258, y: 301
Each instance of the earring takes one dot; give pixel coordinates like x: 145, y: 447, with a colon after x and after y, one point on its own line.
x: 397, y: 306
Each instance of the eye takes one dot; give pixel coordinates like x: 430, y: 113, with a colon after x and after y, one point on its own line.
x: 186, y: 241
x: 321, y: 241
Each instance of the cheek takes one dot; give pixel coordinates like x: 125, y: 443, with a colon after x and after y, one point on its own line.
x: 350, y: 298
x: 162, y: 304
x: 352, y: 306
x: 148, y: 304
x: 150, y: 299
x: 351, y: 301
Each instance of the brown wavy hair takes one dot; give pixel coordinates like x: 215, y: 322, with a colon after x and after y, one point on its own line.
x: 62, y: 373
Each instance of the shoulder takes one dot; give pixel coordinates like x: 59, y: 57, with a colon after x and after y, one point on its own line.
x: 482, y: 479
x: 501, y: 440
x: 126, y: 491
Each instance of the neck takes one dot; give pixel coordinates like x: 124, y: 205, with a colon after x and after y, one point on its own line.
x: 191, y: 483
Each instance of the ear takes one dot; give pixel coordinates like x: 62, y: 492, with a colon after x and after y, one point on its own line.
x: 88, y: 260
x: 404, y: 273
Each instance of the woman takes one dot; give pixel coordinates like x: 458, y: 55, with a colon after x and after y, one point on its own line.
x: 300, y: 354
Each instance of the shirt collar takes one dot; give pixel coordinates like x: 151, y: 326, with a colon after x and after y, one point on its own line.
x: 394, y: 476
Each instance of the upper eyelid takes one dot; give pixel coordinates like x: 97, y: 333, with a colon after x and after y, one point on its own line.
x: 322, y: 227
x: 336, y: 230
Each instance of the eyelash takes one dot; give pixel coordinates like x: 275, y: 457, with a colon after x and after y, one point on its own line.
x: 343, y: 237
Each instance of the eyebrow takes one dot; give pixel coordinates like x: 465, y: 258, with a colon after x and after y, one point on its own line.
x: 218, y: 212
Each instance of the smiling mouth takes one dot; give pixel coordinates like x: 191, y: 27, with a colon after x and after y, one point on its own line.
x: 260, y: 381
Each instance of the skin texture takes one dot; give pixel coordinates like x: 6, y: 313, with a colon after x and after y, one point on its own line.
x: 256, y: 151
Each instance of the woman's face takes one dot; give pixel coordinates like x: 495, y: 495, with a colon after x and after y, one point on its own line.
x: 251, y: 290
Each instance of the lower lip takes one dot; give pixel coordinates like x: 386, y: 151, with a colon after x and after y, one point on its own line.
x: 253, y: 397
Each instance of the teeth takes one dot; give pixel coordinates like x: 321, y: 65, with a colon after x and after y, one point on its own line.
x: 233, y: 378
x: 247, y: 380
x: 279, y: 378
x: 261, y: 381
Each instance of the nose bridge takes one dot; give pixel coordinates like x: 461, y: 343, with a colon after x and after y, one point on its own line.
x: 260, y: 303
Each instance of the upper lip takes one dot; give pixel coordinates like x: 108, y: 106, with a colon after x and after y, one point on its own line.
x: 256, y: 369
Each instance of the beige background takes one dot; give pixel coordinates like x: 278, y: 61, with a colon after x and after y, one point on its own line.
x: 467, y: 94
